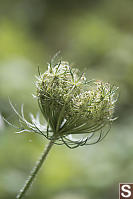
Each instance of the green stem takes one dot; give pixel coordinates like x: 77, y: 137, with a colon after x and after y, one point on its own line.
x: 35, y: 170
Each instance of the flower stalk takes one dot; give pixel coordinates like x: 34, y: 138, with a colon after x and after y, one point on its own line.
x: 35, y: 170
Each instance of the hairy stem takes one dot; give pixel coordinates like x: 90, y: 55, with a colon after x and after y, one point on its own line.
x: 35, y: 170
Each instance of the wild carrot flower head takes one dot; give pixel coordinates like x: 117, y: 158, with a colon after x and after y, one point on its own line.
x: 71, y: 106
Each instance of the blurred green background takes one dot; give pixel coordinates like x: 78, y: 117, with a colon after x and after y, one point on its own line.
x: 97, y: 37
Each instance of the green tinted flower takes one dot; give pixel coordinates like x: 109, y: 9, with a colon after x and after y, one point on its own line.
x: 76, y: 111
x: 72, y: 105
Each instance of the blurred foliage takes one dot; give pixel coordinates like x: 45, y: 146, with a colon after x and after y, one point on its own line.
x: 97, y: 36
